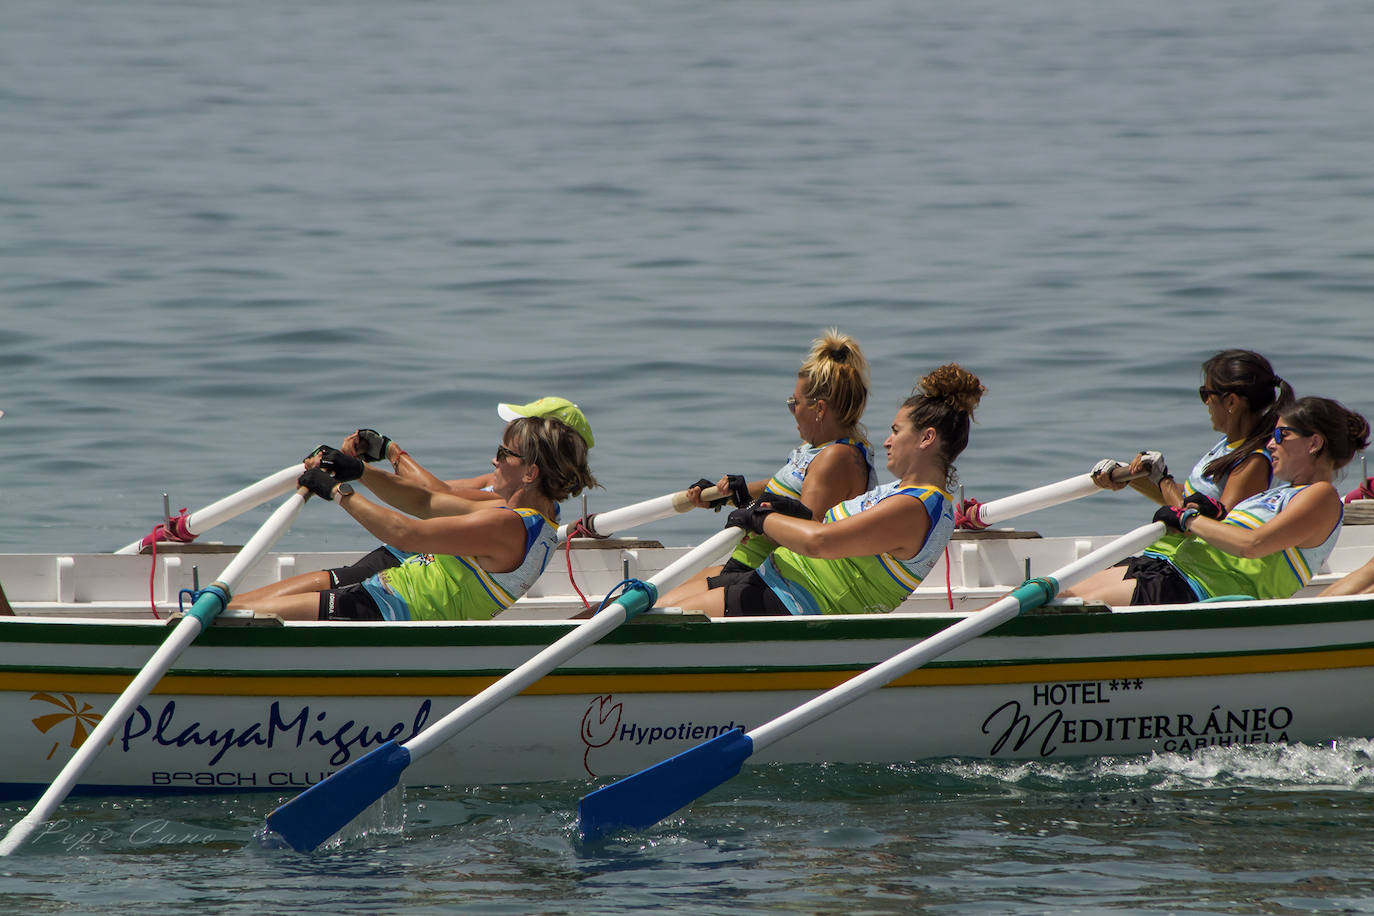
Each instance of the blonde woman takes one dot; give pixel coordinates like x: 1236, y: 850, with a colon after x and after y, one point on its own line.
x: 833, y: 463
x: 871, y: 551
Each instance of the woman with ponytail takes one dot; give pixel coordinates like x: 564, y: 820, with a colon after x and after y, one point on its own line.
x: 1267, y: 546
x: 833, y: 463
x: 1243, y: 398
x: 869, y: 552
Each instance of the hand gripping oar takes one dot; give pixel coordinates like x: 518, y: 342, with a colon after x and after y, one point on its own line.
x: 1051, y: 494
x: 208, y: 604
x: 325, y: 808
x: 652, y: 794
x: 650, y: 510
x: 235, y: 504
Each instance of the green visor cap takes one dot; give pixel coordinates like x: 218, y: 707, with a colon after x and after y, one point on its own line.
x: 560, y: 409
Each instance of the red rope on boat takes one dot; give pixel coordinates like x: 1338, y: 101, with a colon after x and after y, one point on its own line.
x: 574, y: 530
x: 152, y: 574
x: 949, y: 589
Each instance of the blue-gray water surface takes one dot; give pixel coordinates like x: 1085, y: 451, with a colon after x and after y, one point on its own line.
x: 231, y: 231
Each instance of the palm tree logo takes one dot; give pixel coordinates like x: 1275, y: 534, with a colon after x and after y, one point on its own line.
x: 83, y: 718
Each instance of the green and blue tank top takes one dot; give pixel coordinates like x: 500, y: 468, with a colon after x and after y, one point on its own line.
x: 441, y: 587
x: 861, y: 585
x: 1199, y: 482
x: 788, y: 480
x: 1213, y: 572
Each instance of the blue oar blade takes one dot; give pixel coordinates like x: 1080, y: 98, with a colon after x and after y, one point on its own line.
x: 650, y: 795
x: 325, y: 808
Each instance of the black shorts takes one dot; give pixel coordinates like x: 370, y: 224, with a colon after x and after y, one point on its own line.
x: 366, y: 568
x: 733, y: 571
x: 1157, y: 582
x: 352, y: 602
x: 750, y: 596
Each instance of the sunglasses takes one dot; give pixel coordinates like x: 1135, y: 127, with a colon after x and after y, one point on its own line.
x: 502, y: 453
x: 1203, y: 393
x: 1279, y: 431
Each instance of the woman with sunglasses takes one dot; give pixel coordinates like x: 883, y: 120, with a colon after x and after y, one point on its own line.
x: 464, y: 559
x: 833, y: 463
x: 1243, y: 398
x: 1268, y: 545
x: 869, y: 552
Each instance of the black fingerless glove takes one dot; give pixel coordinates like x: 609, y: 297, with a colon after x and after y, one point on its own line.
x: 319, y: 483
x: 751, y: 517
x: 1206, y: 506
x: 373, y: 444
x: 1177, y: 518
x: 319, y: 449
x: 705, y: 485
x: 739, y: 491
x: 343, y: 467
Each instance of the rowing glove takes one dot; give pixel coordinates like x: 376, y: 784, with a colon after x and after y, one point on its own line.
x: 1206, y: 506
x: 1153, y: 464
x: 319, y: 483
x: 373, y: 444
x: 343, y: 467
x: 1177, y: 518
x: 751, y: 517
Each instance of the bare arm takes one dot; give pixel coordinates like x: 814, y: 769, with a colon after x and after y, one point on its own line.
x: 414, y: 498
x: 1307, y: 521
x: 837, y: 473
x: 495, y: 537
x: 1355, y: 583
x: 897, y: 526
x: 1251, y: 476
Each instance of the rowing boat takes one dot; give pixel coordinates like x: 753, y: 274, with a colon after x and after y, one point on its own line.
x: 260, y: 704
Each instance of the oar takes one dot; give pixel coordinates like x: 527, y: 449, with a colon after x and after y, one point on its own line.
x: 207, y: 606
x: 652, y: 794
x: 235, y: 504
x: 650, y: 510
x: 325, y: 808
x: 1051, y: 494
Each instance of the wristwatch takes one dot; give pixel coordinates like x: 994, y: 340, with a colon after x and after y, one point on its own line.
x: 343, y: 489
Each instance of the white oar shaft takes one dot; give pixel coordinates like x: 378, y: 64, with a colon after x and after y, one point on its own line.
x: 518, y: 679
x: 642, y: 513
x: 970, y: 627
x: 1051, y: 494
x: 186, y: 631
x: 234, y: 504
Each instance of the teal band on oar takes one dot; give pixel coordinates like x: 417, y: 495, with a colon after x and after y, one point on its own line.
x: 327, y: 807
x: 185, y: 632
x: 652, y: 794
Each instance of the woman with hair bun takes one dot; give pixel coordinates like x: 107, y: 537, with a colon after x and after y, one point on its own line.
x: 869, y: 552
x: 833, y: 463
x: 1267, y: 546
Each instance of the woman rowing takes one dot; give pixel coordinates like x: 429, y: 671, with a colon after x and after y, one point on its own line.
x: 834, y: 463
x: 1243, y: 398
x: 465, y: 559
x: 869, y: 552
x: 371, y: 446
x: 1268, y: 545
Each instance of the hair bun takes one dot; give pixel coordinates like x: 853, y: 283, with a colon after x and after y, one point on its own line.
x: 955, y: 386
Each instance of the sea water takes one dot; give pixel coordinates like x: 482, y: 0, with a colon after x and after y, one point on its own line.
x: 232, y: 231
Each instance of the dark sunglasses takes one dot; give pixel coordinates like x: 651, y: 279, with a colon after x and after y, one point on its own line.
x: 1203, y: 393
x: 1279, y: 431
x: 502, y: 453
